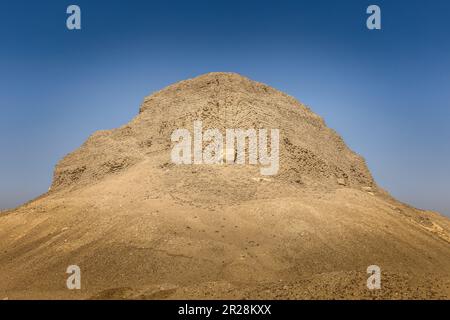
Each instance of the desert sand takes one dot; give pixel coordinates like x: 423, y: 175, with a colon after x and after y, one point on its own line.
x: 141, y: 227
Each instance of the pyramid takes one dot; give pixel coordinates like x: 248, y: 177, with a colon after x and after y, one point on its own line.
x: 311, y: 153
x: 141, y: 226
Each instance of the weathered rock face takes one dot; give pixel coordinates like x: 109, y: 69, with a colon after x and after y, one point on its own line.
x: 310, y: 152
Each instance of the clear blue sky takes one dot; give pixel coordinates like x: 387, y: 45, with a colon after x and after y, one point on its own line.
x: 386, y: 92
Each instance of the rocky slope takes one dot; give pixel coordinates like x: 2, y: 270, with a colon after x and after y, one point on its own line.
x: 140, y: 226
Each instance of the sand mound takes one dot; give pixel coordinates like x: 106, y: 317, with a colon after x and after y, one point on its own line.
x: 140, y: 226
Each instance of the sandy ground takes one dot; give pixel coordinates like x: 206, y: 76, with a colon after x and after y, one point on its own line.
x: 137, y: 244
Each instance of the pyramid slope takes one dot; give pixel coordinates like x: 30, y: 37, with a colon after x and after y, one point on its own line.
x: 141, y: 227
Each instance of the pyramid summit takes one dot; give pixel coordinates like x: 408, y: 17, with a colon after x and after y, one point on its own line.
x: 138, y: 225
